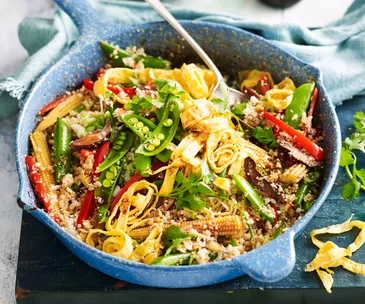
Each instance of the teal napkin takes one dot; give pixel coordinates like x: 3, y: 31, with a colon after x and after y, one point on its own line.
x: 338, y: 49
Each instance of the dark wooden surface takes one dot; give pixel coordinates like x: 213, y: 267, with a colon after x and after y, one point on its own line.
x: 49, y: 273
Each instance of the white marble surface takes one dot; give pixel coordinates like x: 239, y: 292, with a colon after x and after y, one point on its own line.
x: 312, y: 13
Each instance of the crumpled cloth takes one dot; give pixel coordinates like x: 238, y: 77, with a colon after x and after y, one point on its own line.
x: 337, y: 49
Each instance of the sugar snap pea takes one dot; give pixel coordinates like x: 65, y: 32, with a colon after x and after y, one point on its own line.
x: 121, y: 146
x: 299, y: 104
x: 158, y: 140
x: 116, y: 56
x: 62, y: 140
x: 108, y: 180
x: 143, y: 127
x: 142, y: 163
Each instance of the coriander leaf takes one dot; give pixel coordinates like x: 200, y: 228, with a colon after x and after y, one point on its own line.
x: 361, y: 174
x: 350, y: 190
x: 206, y: 174
x: 175, y: 243
x: 347, y: 157
x: 192, y: 178
x: 172, y: 237
x: 204, y: 188
x: 356, y: 142
x: 219, y: 104
x: 359, y: 121
x: 179, y: 178
x: 264, y: 136
x: 190, y: 201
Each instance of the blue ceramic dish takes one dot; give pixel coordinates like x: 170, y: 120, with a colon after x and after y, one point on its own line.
x: 232, y: 49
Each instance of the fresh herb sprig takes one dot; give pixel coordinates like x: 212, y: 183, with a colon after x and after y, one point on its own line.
x: 356, y: 141
x: 265, y: 136
x: 188, y: 191
x: 172, y: 237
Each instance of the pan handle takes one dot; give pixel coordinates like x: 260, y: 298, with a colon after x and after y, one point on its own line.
x: 82, y: 14
x: 271, y: 262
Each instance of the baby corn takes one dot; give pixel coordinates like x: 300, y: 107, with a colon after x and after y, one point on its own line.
x: 43, y: 157
x: 60, y: 111
x: 293, y: 174
x: 227, y: 225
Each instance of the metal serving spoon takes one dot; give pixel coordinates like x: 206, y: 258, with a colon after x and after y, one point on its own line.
x: 234, y: 95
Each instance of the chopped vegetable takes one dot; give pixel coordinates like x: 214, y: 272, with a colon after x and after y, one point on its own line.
x: 172, y: 259
x: 40, y: 189
x: 121, y: 146
x: 223, y: 225
x: 52, y: 105
x: 299, y: 104
x: 254, y: 198
x: 117, y: 55
x: 264, y: 136
x: 165, y: 131
x: 62, y: 140
x: 135, y: 178
x: 43, y: 157
x: 89, y: 205
x: 61, y: 110
x: 312, y: 148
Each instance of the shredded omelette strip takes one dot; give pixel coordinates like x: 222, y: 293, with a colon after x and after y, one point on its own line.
x: 330, y: 255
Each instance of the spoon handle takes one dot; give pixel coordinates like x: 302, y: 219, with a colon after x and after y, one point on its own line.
x: 158, y: 7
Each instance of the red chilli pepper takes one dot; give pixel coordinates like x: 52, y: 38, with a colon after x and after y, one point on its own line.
x: 264, y: 84
x: 100, y: 155
x: 312, y: 148
x: 135, y: 178
x: 52, y: 105
x: 313, y: 102
x: 85, y: 153
x: 40, y: 189
x: 129, y: 91
x: 88, y: 206
x: 88, y: 84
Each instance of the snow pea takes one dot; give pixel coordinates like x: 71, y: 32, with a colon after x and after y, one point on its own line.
x: 253, y: 197
x: 121, y: 146
x: 165, y: 131
x: 62, y: 140
x: 143, y: 128
x: 299, y: 104
x: 117, y: 58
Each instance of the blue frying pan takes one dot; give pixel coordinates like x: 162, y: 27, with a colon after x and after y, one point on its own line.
x: 232, y: 49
